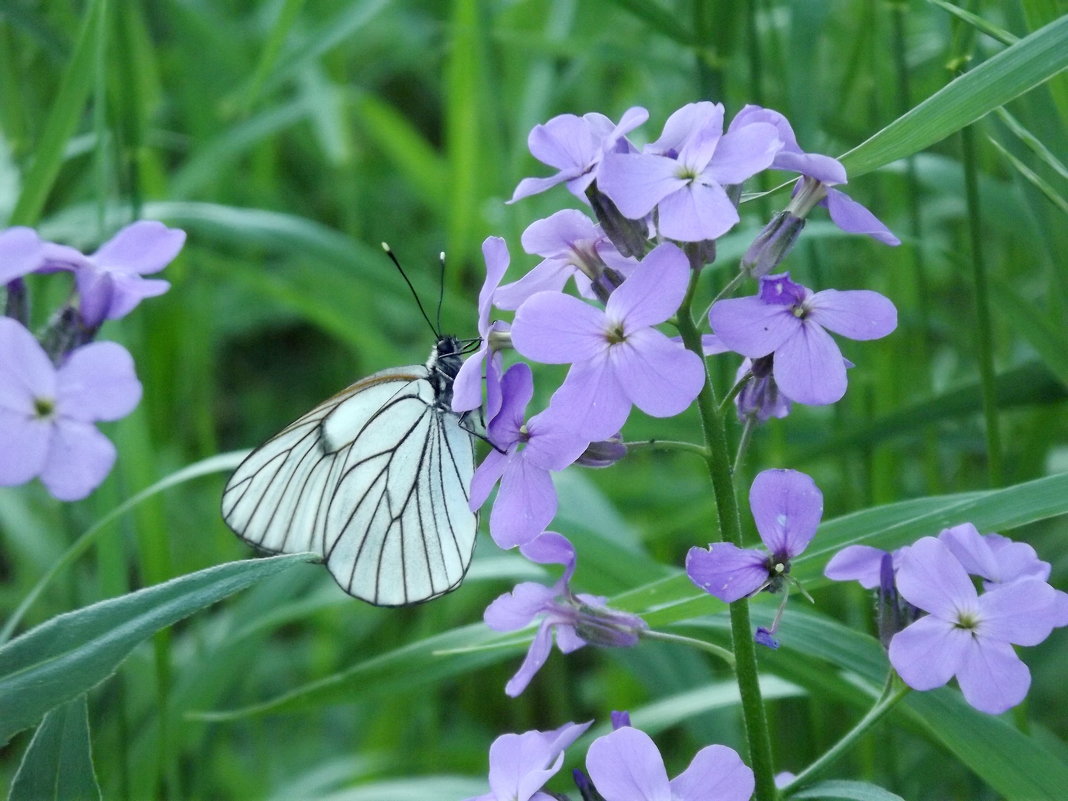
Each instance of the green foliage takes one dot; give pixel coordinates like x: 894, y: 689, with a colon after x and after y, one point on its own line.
x: 288, y: 139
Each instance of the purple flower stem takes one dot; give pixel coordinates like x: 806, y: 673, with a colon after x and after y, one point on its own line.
x: 893, y: 691
x: 730, y: 530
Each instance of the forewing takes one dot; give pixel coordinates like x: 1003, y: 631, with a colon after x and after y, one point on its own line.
x: 277, y: 497
x: 398, y: 529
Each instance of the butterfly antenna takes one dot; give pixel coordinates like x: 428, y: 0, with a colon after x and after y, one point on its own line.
x: 404, y: 275
x: 441, y: 287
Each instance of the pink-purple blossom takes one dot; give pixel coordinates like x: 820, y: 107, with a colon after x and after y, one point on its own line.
x: 789, y: 321
x: 626, y: 765
x: 110, y: 281
x: 523, y: 455
x: 966, y: 634
x: 787, y: 507
x: 521, y: 764
x: 575, y: 146
x: 47, y: 413
x: 618, y: 359
x: 683, y: 174
x: 576, y: 618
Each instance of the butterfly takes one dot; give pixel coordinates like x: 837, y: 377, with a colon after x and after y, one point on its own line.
x: 375, y: 480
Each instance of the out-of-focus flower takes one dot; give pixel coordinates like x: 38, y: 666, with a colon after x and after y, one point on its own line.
x: 21, y: 252
x: 47, y: 412
x: 520, y: 764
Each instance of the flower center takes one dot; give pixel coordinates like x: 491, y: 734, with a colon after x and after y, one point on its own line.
x: 615, y: 335
x: 968, y: 621
x: 43, y: 407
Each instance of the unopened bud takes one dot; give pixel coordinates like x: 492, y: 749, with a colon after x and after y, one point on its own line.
x: 773, y: 244
x: 629, y: 236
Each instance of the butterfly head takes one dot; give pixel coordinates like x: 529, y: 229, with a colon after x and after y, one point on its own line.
x: 442, y: 367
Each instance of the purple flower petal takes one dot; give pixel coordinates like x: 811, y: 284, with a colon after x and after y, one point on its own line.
x: 555, y: 235
x: 525, y: 504
x: 861, y: 563
x: 514, y: 610
x: 787, y: 507
x: 79, y: 458
x: 809, y: 367
x: 1018, y: 612
x: 534, y: 186
x: 854, y: 218
x: 660, y: 377
x: 653, y: 292
x: 140, y: 248
x: 695, y: 212
x: 552, y: 443
x: 593, y: 399
x: 857, y: 314
x: 992, y: 677
x: 715, y: 772
x: 517, y: 388
x: 636, y: 182
x: 532, y: 662
x: 554, y: 328
x: 486, y: 476
x: 24, y: 443
x: 927, y: 653
x: 549, y: 276
x: 551, y: 548
x: 752, y: 327
x: 690, y: 120
x: 742, y: 154
x: 26, y: 372
x: 21, y: 252
x: 626, y: 766
x: 98, y: 382
x: 930, y: 578
x: 727, y: 571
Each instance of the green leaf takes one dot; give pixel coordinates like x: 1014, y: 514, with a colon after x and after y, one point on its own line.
x: 67, y: 110
x: 72, y: 653
x: 857, y: 791
x: 993, y: 83
x: 59, y: 762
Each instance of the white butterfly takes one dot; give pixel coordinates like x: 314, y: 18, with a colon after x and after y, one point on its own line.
x: 375, y: 479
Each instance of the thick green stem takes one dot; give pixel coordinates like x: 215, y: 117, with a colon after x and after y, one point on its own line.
x: 891, y: 695
x: 719, y: 470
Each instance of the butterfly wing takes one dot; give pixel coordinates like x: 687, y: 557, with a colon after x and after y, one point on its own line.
x: 375, y: 480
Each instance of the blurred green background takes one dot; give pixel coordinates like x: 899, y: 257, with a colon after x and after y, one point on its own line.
x: 289, y: 138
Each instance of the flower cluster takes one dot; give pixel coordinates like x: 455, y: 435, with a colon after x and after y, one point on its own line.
x: 657, y: 213
x: 54, y: 389
x: 944, y: 626
x: 623, y: 765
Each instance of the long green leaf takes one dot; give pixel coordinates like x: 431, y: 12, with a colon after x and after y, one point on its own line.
x: 74, y: 88
x: 58, y: 764
x: 72, y: 653
x: 855, y: 791
x: 993, y: 83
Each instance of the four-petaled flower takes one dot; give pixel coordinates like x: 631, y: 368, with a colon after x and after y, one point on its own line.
x: 966, y: 634
x: 524, y: 452
x: 787, y: 507
x: 577, y: 618
x: 682, y: 175
x: 788, y: 320
x: 47, y: 413
x: 626, y: 766
x: 617, y: 357
x: 520, y: 764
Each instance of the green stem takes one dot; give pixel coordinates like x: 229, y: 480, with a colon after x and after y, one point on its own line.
x: 719, y: 470
x: 667, y: 445
x: 716, y: 650
x: 887, y: 701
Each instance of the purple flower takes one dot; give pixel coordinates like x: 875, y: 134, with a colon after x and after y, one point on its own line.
x: 21, y: 252
x: 577, y: 619
x: 965, y: 634
x: 573, y: 247
x: 626, y: 766
x: 788, y: 320
x: 575, y: 146
x: 787, y: 507
x: 520, y: 764
x: 683, y: 173
x: 110, y: 281
x: 524, y: 451
x: 824, y: 173
x: 997, y: 559
x: 467, y: 386
x: 47, y: 413
x: 618, y: 358
x: 861, y: 563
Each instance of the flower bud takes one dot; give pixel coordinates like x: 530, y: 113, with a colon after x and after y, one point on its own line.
x: 608, y: 628
x: 603, y: 453
x: 772, y: 244
x: 629, y: 236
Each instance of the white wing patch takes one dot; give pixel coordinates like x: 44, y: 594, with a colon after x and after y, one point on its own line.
x: 375, y: 480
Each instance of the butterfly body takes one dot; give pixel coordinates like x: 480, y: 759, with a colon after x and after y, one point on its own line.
x: 375, y: 480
